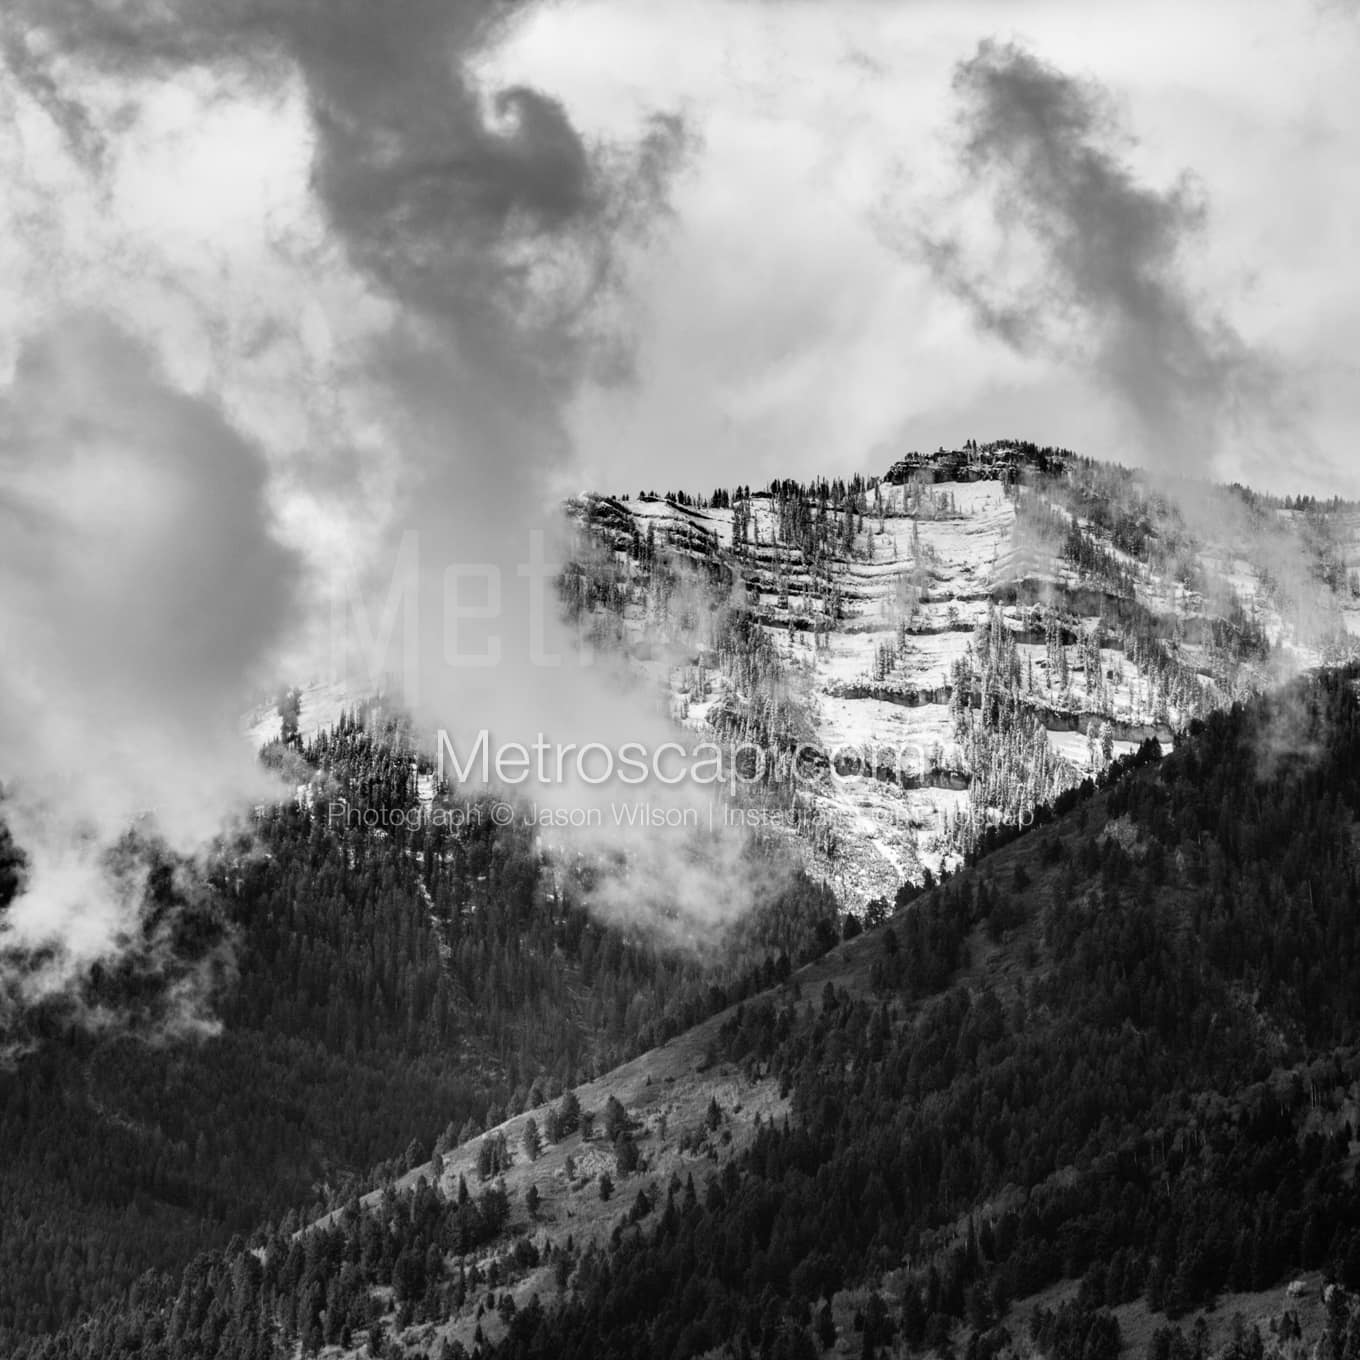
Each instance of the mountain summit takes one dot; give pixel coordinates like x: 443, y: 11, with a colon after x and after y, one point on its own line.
x: 951, y: 645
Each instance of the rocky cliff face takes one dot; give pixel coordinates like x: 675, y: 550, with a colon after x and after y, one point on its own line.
x: 957, y: 642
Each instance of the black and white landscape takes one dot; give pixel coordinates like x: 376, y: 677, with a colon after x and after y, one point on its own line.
x: 679, y: 681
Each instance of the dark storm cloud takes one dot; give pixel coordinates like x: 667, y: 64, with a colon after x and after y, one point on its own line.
x: 424, y: 176
x: 1110, y: 290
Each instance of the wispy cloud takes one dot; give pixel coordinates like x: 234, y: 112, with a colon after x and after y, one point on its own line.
x: 1087, y: 262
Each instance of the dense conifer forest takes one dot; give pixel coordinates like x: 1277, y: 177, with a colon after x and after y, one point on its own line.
x: 379, y: 993
x: 1120, y: 1049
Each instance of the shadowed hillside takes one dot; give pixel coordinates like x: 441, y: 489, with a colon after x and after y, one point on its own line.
x: 1110, y: 1070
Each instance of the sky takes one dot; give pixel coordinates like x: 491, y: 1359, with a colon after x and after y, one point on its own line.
x: 288, y: 287
x: 793, y: 322
x: 801, y: 302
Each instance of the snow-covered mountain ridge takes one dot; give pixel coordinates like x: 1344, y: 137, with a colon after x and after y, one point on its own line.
x: 1013, y: 617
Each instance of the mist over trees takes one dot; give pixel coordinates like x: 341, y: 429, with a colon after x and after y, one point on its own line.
x: 395, y: 988
x: 1119, y: 1050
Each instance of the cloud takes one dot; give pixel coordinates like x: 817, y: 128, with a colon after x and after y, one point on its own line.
x: 498, y: 238
x: 448, y: 195
x: 481, y: 215
x: 144, y: 590
x: 1088, y: 263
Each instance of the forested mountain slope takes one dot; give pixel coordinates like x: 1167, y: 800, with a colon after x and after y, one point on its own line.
x: 961, y: 639
x: 376, y: 991
x: 1115, y: 1059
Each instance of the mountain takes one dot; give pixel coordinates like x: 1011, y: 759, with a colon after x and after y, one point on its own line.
x: 951, y: 645
x: 1097, y: 1094
x: 1079, y: 1059
x: 372, y: 992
